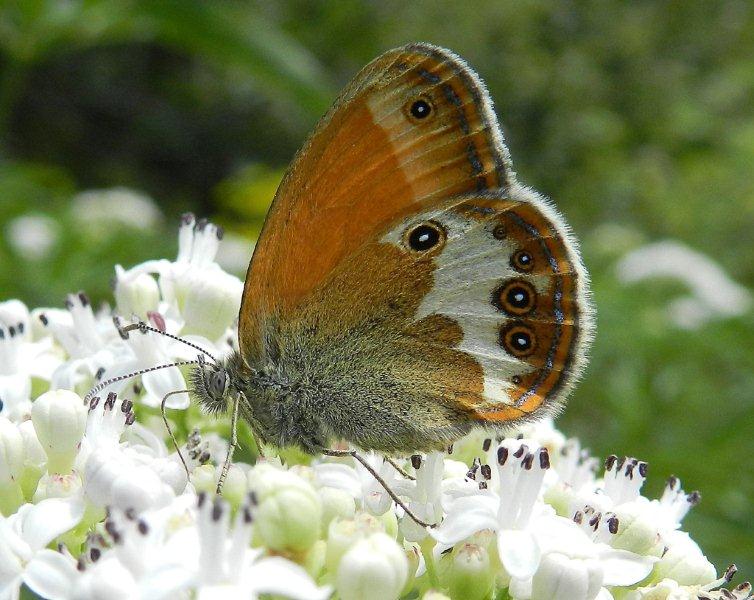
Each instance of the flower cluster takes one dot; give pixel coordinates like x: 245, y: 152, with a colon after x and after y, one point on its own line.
x: 96, y: 503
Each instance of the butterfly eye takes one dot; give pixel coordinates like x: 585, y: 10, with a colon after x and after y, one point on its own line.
x: 518, y: 340
x: 522, y: 261
x: 425, y: 237
x: 217, y: 381
x: 515, y: 297
x: 419, y: 109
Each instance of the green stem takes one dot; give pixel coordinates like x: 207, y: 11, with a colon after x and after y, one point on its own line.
x: 426, y: 545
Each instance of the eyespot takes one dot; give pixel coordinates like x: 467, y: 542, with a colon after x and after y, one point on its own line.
x: 522, y: 261
x: 516, y: 297
x: 518, y: 340
x: 425, y: 237
x: 419, y: 109
x: 499, y: 232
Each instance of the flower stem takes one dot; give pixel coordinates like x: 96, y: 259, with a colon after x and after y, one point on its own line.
x: 426, y: 545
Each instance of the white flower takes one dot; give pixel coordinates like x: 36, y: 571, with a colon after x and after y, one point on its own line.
x: 373, y: 568
x: 59, y: 418
x: 25, y: 534
x: 514, y: 512
x: 714, y: 295
x: 90, y: 341
x: 425, y: 494
x: 670, y: 589
x: 196, y: 293
x: 21, y: 359
x: 119, y: 204
x: 358, y: 482
x: 33, y: 235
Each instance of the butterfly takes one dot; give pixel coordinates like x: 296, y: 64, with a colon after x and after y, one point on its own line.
x: 405, y: 288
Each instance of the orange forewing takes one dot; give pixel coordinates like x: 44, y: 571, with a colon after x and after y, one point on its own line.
x: 368, y: 162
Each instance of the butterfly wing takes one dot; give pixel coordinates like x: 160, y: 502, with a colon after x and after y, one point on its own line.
x: 489, y: 325
x: 415, y: 125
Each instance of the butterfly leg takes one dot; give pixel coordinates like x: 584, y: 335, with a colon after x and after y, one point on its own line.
x: 231, y: 447
x: 381, y: 481
x: 170, y: 431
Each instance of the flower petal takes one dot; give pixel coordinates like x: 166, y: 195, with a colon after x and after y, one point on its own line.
x: 51, y: 517
x: 159, y: 383
x: 51, y: 575
x: 519, y: 552
x: 279, y: 576
x: 625, y: 568
x: 467, y: 516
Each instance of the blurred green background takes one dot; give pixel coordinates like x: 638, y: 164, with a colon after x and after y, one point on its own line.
x: 637, y: 118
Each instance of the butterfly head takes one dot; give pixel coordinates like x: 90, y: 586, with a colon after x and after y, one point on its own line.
x: 211, y: 384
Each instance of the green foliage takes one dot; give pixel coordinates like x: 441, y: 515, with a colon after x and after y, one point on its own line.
x: 636, y: 118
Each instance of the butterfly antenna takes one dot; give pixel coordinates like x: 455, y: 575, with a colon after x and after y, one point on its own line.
x: 102, y: 385
x: 365, y: 463
x: 170, y: 431
x: 123, y: 330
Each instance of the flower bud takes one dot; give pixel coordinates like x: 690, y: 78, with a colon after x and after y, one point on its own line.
x: 11, y: 466
x: 637, y: 531
x: 135, y: 294
x: 34, y: 459
x: 560, y: 577
x: 373, y: 568
x: 343, y: 533
x: 203, y: 478
x: 54, y: 485
x: 470, y: 574
x: 335, y: 503
x: 209, y: 300
x: 289, y: 513
x: 684, y: 563
x: 59, y: 418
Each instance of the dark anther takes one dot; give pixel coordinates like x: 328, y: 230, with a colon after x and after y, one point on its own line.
x: 126, y: 406
x: 100, y: 372
x: 217, y: 509
x: 544, y: 459
x: 219, y: 232
x: 187, y: 218
x: 130, y: 418
x: 578, y: 517
x: 12, y: 331
x: 610, y: 462
x: 110, y: 402
x: 730, y: 572
x: 44, y: 319
x: 521, y: 450
x: 486, y: 444
x: 130, y: 514
x: 643, y: 467
x: 93, y: 403
x: 202, y: 497
x: 253, y: 498
x: 247, y: 516
x: 694, y: 498
x: 21, y: 327
x: 594, y: 522
x: 450, y: 449
x: 80, y: 565
x: 673, y: 482
x: 84, y: 299
x: 201, y: 224
x: 204, y: 458
x: 612, y: 525
x: 94, y: 554
x: 416, y: 461
x: 528, y: 461
x: 486, y: 472
x: 482, y: 485
x: 69, y: 302
x: 502, y: 455
x: 142, y: 527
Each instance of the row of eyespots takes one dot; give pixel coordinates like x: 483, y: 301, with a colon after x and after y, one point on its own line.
x: 518, y: 298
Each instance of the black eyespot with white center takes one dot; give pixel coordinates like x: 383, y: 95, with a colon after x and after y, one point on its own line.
x: 515, y: 297
x: 419, y: 109
x: 518, y: 340
x: 425, y: 237
x: 522, y: 261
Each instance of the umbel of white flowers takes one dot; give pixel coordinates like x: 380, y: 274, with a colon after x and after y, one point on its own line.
x: 95, y: 504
